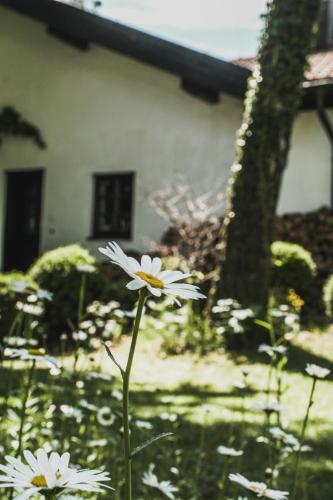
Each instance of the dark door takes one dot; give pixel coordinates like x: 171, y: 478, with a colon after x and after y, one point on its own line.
x: 22, y: 223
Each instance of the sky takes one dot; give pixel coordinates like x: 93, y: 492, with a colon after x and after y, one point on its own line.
x: 225, y: 28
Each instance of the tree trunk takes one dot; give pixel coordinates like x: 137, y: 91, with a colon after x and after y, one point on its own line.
x: 262, y: 145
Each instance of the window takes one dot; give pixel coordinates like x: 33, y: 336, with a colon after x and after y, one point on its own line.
x: 113, y: 205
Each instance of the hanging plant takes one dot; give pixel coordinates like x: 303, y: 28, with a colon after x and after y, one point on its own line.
x: 12, y: 124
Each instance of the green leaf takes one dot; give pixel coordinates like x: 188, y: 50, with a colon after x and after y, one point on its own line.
x: 149, y: 442
x: 111, y: 356
x: 264, y: 324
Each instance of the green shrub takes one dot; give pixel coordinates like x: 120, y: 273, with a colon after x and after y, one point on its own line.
x: 328, y: 295
x: 57, y: 271
x: 292, y: 268
x: 8, y: 298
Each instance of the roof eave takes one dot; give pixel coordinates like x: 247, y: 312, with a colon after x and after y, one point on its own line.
x: 184, y: 62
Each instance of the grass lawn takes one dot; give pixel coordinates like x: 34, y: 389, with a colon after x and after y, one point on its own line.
x: 195, y: 398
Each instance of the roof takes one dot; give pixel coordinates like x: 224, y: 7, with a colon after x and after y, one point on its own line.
x: 320, y: 66
x: 201, y: 74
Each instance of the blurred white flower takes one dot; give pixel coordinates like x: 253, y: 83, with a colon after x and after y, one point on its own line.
x: 167, y: 399
x: 44, y: 294
x: 271, y: 407
x: 48, y: 473
x: 229, y: 452
x: 55, y: 372
x: 80, y: 336
x: 15, y: 341
x: 316, y: 371
x: 19, y: 286
x: 150, y: 479
x: 144, y: 424
x: 32, y: 309
x: 96, y: 443
x: 86, y: 324
x: 105, y: 416
x: 242, y: 314
x: 261, y: 489
x: 86, y: 268
x: 284, y: 437
x: 117, y: 394
x: 32, y: 354
x: 262, y: 439
x: 148, y: 274
x: 172, y: 417
x: 271, y: 350
x: 88, y: 406
x: 71, y: 412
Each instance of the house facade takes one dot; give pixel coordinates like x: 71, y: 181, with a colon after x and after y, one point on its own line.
x: 120, y: 123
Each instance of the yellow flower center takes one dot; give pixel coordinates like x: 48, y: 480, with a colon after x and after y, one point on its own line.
x: 36, y: 352
x: 258, y: 488
x: 40, y: 481
x: 149, y: 278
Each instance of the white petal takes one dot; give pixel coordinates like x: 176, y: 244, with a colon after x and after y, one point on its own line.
x: 133, y: 264
x: 32, y: 462
x: 155, y: 291
x: 54, y: 462
x: 146, y: 264
x: 43, y: 462
x: 64, y: 461
x: 173, y: 276
x: 27, y: 494
x: 185, y: 294
x: 135, y: 284
x: 19, y: 466
x: 156, y: 266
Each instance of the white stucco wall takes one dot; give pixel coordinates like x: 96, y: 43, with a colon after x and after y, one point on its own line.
x: 307, y: 180
x: 102, y: 112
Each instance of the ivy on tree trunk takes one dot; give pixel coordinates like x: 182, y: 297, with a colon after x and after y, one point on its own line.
x: 272, y: 100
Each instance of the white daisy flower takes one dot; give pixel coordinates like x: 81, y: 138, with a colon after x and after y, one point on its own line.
x: 271, y: 407
x: 148, y: 274
x: 32, y: 354
x: 261, y: 489
x: 271, y: 350
x: 280, y: 435
x: 48, y: 473
x: 150, y: 479
x: 230, y: 452
x: 316, y: 371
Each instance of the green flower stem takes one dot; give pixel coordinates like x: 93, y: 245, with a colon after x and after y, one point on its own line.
x: 81, y: 298
x: 24, y: 406
x: 126, y: 383
x: 225, y: 473
x: 304, y: 426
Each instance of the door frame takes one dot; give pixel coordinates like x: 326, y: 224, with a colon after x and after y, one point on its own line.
x: 19, y: 170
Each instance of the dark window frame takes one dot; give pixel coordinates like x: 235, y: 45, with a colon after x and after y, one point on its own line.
x: 96, y: 232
